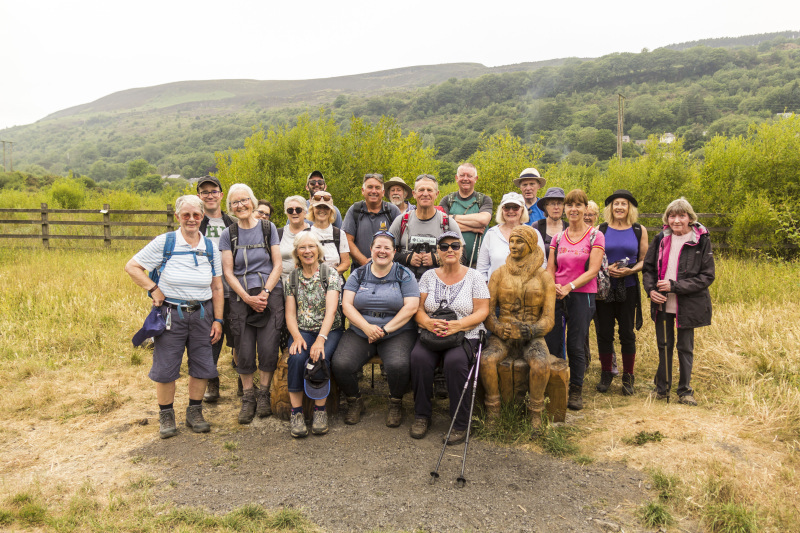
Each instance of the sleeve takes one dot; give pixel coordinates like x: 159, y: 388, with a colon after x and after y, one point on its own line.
x: 352, y: 281
x: 273, y: 236
x: 338, y: 222
x: 487, y: 205
x: 287, y: 287
x: 599, y: 240
x: 443, y: 204
x: 344, y: 246
x: 483, y: 255
x: 349, y: 225
x: 225, y: 239
x: 334, y: 281
x: 151, y: 255
x: 480, y: 290
x: 217, y: 261
x: 408, y: 285
x: 427, y: 281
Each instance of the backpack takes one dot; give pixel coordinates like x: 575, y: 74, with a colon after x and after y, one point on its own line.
x: 361, y: 273
x: 404, y: 224
x: 603, y: 279
x: 169, y: 251
x: 266, y: 230
x: 361, y: 209
x: 477, y: 199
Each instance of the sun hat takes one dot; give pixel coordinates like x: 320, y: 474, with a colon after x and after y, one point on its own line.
x: 154, y: 325
x: 512, y: 198
x: 325, y: 198
x: 317, y: 378
x: 622, y: 193
x: 553, y: 193
x: 528, y: 174
x: 397, y: 181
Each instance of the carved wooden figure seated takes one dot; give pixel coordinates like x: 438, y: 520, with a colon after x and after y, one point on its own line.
x: 524, y: 293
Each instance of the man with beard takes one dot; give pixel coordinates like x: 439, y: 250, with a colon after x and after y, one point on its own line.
x: 525, y: 295
x: 316, y: 182
x: 398, y: 193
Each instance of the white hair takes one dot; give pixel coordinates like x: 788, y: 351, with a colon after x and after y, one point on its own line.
x: 189, y: 199
x: 236, y: 187
x: 296, y: 198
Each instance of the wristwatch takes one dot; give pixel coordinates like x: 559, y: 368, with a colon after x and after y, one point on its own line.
x: 572, y: 285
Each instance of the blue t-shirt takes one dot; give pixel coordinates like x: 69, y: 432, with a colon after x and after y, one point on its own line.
x: 534, y: 213
x: 256, y: 261
x: 619, y: 245
x: 382, y: 296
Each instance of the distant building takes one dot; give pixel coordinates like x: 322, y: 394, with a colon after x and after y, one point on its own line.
x: 667, y: 138
x: 626, y: 138
x: 172, y: 177
x: 784, y: 115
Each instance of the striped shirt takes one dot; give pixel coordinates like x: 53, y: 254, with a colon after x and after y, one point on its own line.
x: 186, y: 276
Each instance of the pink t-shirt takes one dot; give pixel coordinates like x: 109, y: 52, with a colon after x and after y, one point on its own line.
x: 572, y: 257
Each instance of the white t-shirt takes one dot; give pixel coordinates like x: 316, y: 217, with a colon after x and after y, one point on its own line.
x: 214, y: 229
x: 332, y: 257
x: 459, y: 296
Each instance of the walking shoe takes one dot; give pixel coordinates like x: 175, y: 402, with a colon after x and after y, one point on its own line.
x: 627, y: 384
x: 687, y: 399
x: 355, y: 408
x: 420, y: 427
x: 457, y: 436
x: 658, y: 396
x: 575, y: 401
x: 248, y: 410
x: 263, y: 407
x: 299, y: 428
x: 239, y: 389
x: 212, y: 391
x: 605, y: 381
x: 320, y: 424
x: 395, y: 415
x: 195, y: 420
x: 166, y: 419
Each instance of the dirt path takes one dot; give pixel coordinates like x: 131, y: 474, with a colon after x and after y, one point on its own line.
x: 370, y: 477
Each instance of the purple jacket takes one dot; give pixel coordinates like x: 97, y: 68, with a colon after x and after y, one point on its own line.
x: 695, y: 275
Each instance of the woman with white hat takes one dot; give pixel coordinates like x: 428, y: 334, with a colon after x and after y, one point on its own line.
x: 494, y: 250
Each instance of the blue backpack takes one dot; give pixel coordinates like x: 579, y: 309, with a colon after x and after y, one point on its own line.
x: 169, y: 251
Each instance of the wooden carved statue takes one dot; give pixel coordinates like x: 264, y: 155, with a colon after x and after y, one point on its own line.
x: 524, y: 293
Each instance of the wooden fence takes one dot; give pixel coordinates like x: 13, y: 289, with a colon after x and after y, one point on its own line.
x: 45, y: 222
x: 169, y: 224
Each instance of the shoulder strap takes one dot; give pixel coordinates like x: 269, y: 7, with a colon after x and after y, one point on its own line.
x: 234, y: 234
x: 555, y: 250
x: 445, y: 222
x: 603, y: 227
x: 403, y: 224
x: 360, y: 209
x: 337, y: 238
x: 266, y: 231
x: 324, y: 274
x: 294, y: 281
x: 449, y: 200
x: 280, y: 234
x: 169, y: 247
x: 204, y: 225
x: 210, y: 255
x: 637, y: 230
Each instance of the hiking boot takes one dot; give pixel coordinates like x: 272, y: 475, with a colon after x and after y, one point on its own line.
x: 195, y: 420
x: 605, y: 381
x: 239, y: 389
x: 320, y: 424
x: 355, y: 408
x: 248, y: 410
x: 627, y: 384
x: 575, y: 400
x: 420, y: 427
x: 658, y: 396
x: 395, y: 415
x: 687, y: 399
x: 299, y: 428
x: 166, y: 418
x: 212, y: 391
x: 456, y: 437
x: 263, y: 407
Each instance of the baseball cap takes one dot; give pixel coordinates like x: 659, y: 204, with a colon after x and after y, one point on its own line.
x: 317, y: 378
x: 208, y: 179
x: 154, y: 325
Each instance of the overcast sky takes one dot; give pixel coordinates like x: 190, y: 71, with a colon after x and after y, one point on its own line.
x: 56, y: 54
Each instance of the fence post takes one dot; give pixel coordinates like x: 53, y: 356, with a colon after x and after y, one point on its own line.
x: 170, y: 218
x: 45, y: 227
x: 106, y: 224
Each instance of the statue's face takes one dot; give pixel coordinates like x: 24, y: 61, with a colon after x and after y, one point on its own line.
x: 518, y: 248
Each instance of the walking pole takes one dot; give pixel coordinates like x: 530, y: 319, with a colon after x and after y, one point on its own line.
x: 475, y: 246
x: 667, y: 357
x: 435, y: 472
x: 460, y: 481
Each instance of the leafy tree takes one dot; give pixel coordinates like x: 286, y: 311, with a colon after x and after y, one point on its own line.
x: 148, y: 183
x: 67, y: 194
x: 500, y: 159
x: 139, y: 167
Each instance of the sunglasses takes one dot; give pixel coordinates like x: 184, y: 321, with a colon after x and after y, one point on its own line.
x: 324, y: 196
x: 383, y: 233
x: 189, y: 216
x: 294, y: 210
x: 426, y: 177
x: 316, y: 182
x: 511, y: 207
x: 455, y: 246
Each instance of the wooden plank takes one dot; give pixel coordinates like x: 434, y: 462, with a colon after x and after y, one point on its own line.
x: 88, y: 223
x: 88, y: 211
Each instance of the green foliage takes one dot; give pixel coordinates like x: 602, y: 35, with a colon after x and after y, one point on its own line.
x: 500, y: 159
x: 655, y: 514
x: 149, y: 183
x: 555, y: 440
x: 668, y: 486
x: 139, y: 167
x: 68, y: 194
x: 755, y: 226
x: 730, y: 518
x: 643, y: 437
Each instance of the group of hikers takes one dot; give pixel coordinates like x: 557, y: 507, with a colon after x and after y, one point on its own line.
x: 231, y: 276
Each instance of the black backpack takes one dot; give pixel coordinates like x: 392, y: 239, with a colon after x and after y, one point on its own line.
x: 360, y: 209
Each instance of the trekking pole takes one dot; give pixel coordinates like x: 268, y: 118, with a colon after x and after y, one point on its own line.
x: 435, y: 472
x: 475, y: 246
x: 667, y: 358
x: 460, y: 481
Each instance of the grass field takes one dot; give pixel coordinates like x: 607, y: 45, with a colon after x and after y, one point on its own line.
x: 69, y: 374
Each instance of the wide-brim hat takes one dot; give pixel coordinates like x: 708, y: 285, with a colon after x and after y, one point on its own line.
x: 553, y: 193
x: 397, y: 181
x: 622, y: 193
x: 317, y: 379
x: 530, y: 174
x: 154, y: 325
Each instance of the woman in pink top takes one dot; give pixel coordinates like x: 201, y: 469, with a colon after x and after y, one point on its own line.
x: 576, y: 255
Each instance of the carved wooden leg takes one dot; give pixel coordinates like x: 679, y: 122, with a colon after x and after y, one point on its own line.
x: 494, y: 353
x: 539, y: 374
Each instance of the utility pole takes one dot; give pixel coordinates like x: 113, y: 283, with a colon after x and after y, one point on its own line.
x: 11, y: 150
x: 620, y: 122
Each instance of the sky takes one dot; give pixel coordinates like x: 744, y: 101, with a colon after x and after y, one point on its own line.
x: 57, y: 54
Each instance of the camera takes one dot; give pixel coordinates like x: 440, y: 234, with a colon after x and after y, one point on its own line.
x: 420, y: 244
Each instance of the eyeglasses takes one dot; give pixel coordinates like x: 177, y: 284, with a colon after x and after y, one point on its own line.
x: 455, y: 246
x: 243, y: 201
x: 316, y: 182
x: 264, y: 214
x: 294, y: 210
x: 189, y: 216
x: 323, y: 196
x: 511, y: 207
x: 206, y: 194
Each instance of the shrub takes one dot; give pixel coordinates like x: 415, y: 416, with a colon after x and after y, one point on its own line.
x: 67, y: 194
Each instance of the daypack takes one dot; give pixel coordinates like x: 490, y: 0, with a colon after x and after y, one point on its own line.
x: 266, y: 230
x: 477, y: 199
x: 603, y: 278
x: 169, y: 251
x: 404, y: 224
x: 361, y: 273
x: 361, y: 209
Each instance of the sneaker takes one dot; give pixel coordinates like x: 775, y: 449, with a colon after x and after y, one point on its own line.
x: 299, y: 428
x: 320, y: 424
x: 263, y: 407
x: 575, y: 400
x: 355, y: 408
x: 166, y: 418
x: 212, y: 391
x: 248, y: 411
x: 195, y: 420
x: 420, y: 427
x: 687, y: 399
x: 456, y: 437
x: 395, y: 415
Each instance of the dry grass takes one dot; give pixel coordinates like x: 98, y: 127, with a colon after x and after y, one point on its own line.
x: 75, y: 391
